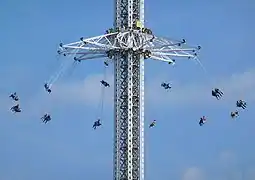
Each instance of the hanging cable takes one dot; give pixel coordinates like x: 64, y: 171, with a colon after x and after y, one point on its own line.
x: 72, y: 68
x: 103, y: 91
x: 216, y: 91
x: 201, y: 65
x: 205, y: 71
x: 59, y: 73
x: 100, y: 107
x: 63, y: 67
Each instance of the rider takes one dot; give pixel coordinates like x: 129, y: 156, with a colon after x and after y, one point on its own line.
x: 106, y: 63
x: 166, y: 85
x: 16, y: 108
x: 14, y: 96
x: 47, y: 88
x: 76, y: 59
x: 97, y: 124
x: 234, y: 114
x: 172, y: 62
x: 46, y: 118
x: 106, y: 84
x: 202, y: 121
x: 217, y: 93
x: 152, y: 124
x: 241, y: 103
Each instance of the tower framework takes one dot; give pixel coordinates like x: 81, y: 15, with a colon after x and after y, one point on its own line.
x: 127, y: 45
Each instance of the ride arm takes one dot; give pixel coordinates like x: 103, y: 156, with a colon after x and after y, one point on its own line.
x: 167, y: 50
x: 90, y: 48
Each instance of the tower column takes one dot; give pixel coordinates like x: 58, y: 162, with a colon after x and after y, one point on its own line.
x: 129, y: 98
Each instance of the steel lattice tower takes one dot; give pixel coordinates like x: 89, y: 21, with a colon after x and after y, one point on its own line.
x: 127, y: 45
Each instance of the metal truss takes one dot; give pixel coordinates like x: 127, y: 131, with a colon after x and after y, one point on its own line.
x: 138, y: 42
x: 129, y: 121
x: 128, y: 46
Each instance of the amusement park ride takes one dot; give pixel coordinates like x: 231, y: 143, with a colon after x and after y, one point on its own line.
x: 127, y: 45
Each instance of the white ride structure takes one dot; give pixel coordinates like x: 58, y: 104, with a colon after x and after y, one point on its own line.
x: 127, y: 45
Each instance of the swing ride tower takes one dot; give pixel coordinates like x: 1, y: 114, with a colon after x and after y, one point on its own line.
x: 127, y: 45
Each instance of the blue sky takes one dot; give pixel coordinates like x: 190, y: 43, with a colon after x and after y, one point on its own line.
x: 177, y: 148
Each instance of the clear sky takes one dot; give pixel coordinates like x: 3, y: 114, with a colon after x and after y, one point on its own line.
x: 177, y: 148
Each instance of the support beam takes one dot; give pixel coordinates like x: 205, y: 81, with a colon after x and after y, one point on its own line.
x: 129, y: 104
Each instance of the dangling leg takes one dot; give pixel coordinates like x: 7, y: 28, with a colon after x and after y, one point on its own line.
x: 201, y: 122
x: 217, y: 96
